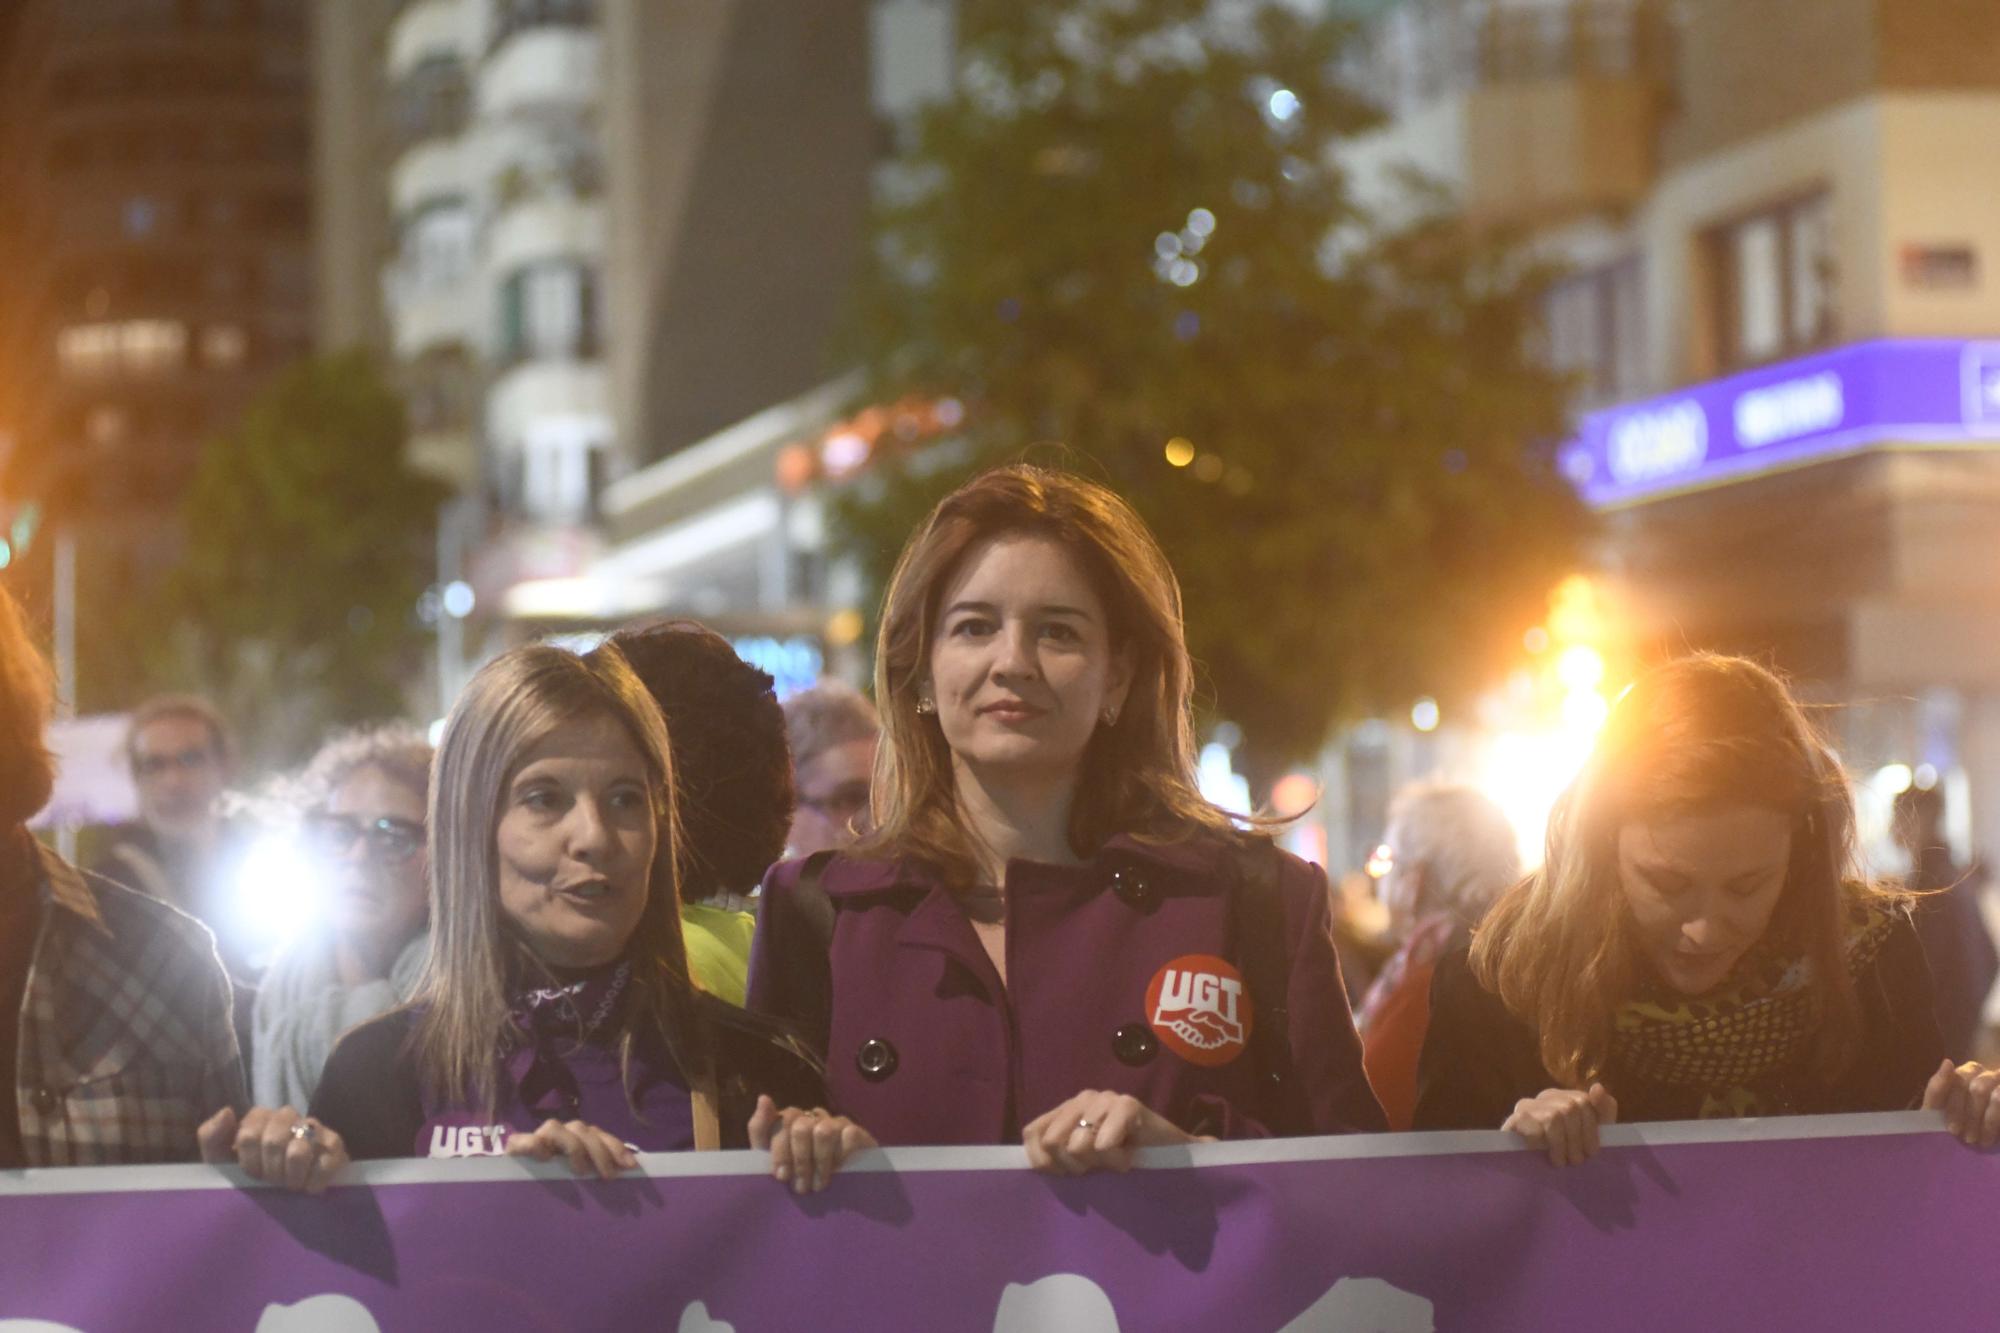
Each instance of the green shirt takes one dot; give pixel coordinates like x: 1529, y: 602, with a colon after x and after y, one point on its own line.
x: 718, y: 949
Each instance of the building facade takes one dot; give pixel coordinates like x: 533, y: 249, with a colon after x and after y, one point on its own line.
x: 596, y: 232
x: 157, y: 237
x: 1778, y: 223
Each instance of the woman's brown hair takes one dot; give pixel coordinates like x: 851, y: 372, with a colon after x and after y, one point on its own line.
x: 27, y: 688
x: 1693, y: 734
x: 1138, y: 776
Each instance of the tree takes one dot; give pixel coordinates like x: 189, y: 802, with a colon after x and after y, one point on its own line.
x: 308, y: 544
x: 1127, y: 234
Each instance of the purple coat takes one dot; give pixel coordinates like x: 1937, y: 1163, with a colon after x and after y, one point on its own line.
x: 1124, y: 974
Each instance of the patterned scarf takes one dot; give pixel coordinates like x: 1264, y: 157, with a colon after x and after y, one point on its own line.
x: 555, y: 1020
x: 1759, y: 1024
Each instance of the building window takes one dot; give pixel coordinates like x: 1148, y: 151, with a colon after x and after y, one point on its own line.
x: 562, y: 466
x: 1774, y: 282
x: 432, y: 101
x: 1595, y: 322
x: 133, y: 347
x: 437, y: 245
x: 224, y: 346
x: 549, y: 310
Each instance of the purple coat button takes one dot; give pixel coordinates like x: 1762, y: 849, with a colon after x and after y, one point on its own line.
x: 1132, y: 888
x: 1134, y: 1044
x: 876, y: 1059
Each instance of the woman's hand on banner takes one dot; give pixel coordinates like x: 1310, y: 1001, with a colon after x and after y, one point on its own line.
x: 275, y: 1145
x: 806, y: 1147
x: 1564, y: 1122
x: 588, y: 1148
x: 1969, y: 1096
x: 1095, y: 1131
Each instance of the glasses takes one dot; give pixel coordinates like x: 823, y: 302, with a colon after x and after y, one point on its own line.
x: 842, y: 803
x: 384, y: 840
x: 154, y: 765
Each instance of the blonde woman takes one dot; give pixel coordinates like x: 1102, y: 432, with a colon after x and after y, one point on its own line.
x: 555, y: 1016
x: 1050, y: 937
x: 1699, y: 942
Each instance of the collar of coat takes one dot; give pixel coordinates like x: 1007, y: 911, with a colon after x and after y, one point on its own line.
x: 63, y: 886
x: 1196, y: 860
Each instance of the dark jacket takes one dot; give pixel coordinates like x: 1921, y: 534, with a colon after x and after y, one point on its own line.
x: 371, y: 1094
x: 1120, y: 976
x: 1479, y: 1059
x: 1958, y: 946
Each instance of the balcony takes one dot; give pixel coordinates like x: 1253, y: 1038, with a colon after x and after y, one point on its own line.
x: 423, y: 29
x: 541, y: 70
x: 431, y: 316
x: 1539, y: 110
x: 431, y: 102
x: 512, y: 16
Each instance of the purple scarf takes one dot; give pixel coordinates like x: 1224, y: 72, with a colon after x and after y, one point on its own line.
x: 557, y: 1022
x: 567, y: 1067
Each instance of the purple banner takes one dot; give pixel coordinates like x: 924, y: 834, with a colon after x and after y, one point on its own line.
x: 1928, y: 392
x: 1852, y: 1222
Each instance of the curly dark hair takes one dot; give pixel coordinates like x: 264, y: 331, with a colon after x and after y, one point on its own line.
x: 732, y: 768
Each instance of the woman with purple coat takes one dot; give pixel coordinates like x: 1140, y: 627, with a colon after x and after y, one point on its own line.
x: 1051, y: 936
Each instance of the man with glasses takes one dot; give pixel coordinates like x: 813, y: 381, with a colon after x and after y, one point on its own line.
x: 183, y: 851
x: 361, y: 828
x: 833, y: 731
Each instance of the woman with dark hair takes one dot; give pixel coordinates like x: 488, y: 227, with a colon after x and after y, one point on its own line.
x: 733, y: 781
x: 115, y: 1033
x: 1050, y: 936
x: 554, y: 1016
x: 1698, y: 943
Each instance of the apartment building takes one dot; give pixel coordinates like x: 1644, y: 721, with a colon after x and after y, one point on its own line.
x: 590, y: 232
x: 1783, y: 315
x: 154, y: 166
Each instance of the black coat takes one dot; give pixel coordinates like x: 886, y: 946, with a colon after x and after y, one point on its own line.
x: 1479, y: 1059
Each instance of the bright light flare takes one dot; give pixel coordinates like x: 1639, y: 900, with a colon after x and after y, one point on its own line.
x: 1893, y: 779
x: 1219, y: 782
x: 1580, y: 668
x: 1525, y: 774
x: 279, y: 892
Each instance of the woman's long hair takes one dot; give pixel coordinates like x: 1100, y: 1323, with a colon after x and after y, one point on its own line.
x: 1698, y: 733
x: 27, y: 688
x: 1138, y: 776
x: 477, y: 961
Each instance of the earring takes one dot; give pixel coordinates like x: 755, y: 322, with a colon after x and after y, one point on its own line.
x: 1110, y: 716
x: 925, y: 705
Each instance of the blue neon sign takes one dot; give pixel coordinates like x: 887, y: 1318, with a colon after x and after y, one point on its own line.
x: 1938, y: 392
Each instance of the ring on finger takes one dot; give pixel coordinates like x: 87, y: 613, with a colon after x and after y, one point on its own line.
x: 1083, y: 1123
x: 307, y: 1130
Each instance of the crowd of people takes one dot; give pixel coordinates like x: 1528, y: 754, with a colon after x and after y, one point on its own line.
x: 634, y: 904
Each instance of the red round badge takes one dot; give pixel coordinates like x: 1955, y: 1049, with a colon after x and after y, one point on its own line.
x: 1200, y: 1009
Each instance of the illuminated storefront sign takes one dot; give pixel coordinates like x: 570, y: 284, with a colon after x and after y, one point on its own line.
x: 795, y: 663
x: 1923, y: 392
